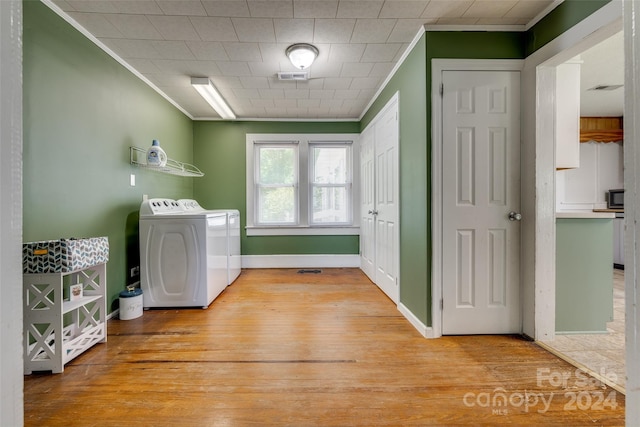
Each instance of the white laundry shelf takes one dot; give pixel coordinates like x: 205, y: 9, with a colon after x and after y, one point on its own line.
x: 173, y: 167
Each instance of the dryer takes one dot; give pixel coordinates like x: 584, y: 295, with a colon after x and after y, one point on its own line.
x: 183, y: 255
x: 234, y: 258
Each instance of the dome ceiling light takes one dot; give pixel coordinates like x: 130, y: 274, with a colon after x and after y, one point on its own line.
x: 302, y: 55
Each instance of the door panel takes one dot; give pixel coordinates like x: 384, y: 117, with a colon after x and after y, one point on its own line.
x: 367, y: 188
x: 481, y: 185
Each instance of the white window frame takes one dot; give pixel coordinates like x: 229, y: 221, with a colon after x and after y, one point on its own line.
x: 304, y: 227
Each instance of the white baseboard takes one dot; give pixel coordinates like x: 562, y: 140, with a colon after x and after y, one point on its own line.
x: 425, y: 331
x: 300, y: 261
x: 113, y: 314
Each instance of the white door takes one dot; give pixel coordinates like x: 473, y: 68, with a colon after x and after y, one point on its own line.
x: 379, y: 238
x: 367, y: 205
x: 386, y: 199
x: 481, y: 202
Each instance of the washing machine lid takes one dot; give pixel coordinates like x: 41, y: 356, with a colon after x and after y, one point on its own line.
x: 192, y: 206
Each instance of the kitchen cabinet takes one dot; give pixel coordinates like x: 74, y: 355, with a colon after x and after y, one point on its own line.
x: 584, y: 274
x: 567, y: 114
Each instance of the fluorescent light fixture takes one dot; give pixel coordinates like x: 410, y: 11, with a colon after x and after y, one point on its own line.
x: 302, y: 55
x: 206, y: 89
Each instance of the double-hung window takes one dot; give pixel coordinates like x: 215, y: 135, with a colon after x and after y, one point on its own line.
x: 302, y: 184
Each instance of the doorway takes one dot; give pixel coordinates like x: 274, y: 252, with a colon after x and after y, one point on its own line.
x: 476, y: 182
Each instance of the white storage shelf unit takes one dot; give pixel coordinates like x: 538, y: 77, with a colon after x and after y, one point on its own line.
x: 56, y: 330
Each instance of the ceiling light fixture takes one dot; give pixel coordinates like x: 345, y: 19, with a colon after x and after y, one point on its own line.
x: 302, y: 55
x: 206, y: 89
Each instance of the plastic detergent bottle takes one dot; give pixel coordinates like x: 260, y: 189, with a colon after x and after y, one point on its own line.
x: 156, y: 155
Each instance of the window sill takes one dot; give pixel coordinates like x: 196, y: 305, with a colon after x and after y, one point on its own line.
x: 303, y: 231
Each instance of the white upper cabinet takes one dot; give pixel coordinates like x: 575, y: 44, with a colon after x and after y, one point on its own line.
x: 567, y: 126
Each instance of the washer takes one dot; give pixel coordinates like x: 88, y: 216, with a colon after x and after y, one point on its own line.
x: 234, y: 259
x: 183, y: 255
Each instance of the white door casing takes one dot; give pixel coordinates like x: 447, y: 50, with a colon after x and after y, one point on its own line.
x: 379, y: 242
x: 481, y: 186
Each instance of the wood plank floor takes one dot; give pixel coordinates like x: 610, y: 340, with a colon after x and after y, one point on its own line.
x: 279, y: 348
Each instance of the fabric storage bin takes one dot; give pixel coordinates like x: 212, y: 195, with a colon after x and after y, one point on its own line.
x: 64, y: 255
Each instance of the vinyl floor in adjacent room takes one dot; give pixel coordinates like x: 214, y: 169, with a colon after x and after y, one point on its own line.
x: 279, y: 348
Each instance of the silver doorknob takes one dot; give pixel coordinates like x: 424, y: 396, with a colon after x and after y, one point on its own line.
x: 373, y: 212
x: 514, y: 216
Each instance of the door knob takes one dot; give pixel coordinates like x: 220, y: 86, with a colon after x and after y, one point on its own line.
x: 373, y: 212
x: 514, y: 216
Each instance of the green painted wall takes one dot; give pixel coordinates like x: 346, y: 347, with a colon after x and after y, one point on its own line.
x: 219, y: 151
x: 563, y: 17
x: 82, y: 111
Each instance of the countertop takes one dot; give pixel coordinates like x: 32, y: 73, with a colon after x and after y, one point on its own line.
x: 595, y: 214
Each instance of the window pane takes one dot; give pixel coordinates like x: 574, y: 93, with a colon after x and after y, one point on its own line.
x: 277, y: 205
x: 330, y: 165
x: 330, y: 205
x: 277, y: 165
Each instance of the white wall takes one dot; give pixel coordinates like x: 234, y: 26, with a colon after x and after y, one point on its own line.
x: 11, y: 379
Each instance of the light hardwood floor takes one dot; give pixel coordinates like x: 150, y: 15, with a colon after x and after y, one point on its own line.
x: 279, y: 348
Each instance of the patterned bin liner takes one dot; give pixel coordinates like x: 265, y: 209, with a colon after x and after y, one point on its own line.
x: 64, y: 255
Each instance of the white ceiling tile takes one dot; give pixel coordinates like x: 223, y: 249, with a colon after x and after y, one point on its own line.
x: 489, y: 9
x: 446, y: 8
x: 308, y: 103
x: 528, y: 9
x: 134, y: 26
x: 273, y: 52
x: 294, y: 30
x: 296, y: 93
x: 356, y: 69
x: 315, y: 9
x: 172, y: 81
x: 233, y: 8
x: 331, y: 103
x: 144, y: 65
x: 401, y: 51
x: 275, y: 83
x: 333, y: 30
x: 263, y: 103
x: 64, y: 5
x: 140, y: 7
x: 380, y: 52
x: 372, y: 30
x: 254, y: 29
x: 271, y: 93
x: 381, y: 69
x: 322, y: 93
x: 359, y: 9
x: 285, y: 103
x: 174, y: 27
x: 95, y: 6
x: 406, y: 29
x: 182, y: 7
x: 403, y: 9
x: 127, y: 48
x: 457, y: 21
x: 96, y: 24
x: 347, y: 94
x: 237, y: 51
x: 208, y: 50
x: 365, y: 83
x: 246, y: 93
x: 236, y: 68
x: 502, y: 21
x: 312, y: 84
x: 264, y: 69
x: 366, y: 95
x: 337, y: 82
x: 270, y: 9
x: 346, y: 52
x: 214, y: 29
x: 188, y: 68
x: 254, y: 82
x: 173, y: 49
x: 326, y: 69
x: 229, y: 82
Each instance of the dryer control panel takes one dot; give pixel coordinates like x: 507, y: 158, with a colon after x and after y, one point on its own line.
x: 152, y: 207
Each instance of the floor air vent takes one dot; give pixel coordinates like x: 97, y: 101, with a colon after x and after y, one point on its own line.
x: 293, y: 75
x: 309, y: 271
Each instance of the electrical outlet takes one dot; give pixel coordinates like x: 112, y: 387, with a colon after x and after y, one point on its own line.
x: 135, y: 271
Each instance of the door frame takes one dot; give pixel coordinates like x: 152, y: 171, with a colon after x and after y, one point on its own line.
x: 437, y: 67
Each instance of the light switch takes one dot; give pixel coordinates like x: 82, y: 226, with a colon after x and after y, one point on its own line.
x: 133, y: 180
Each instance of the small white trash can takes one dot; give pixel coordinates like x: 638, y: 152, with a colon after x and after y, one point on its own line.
x: 130, y: 303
